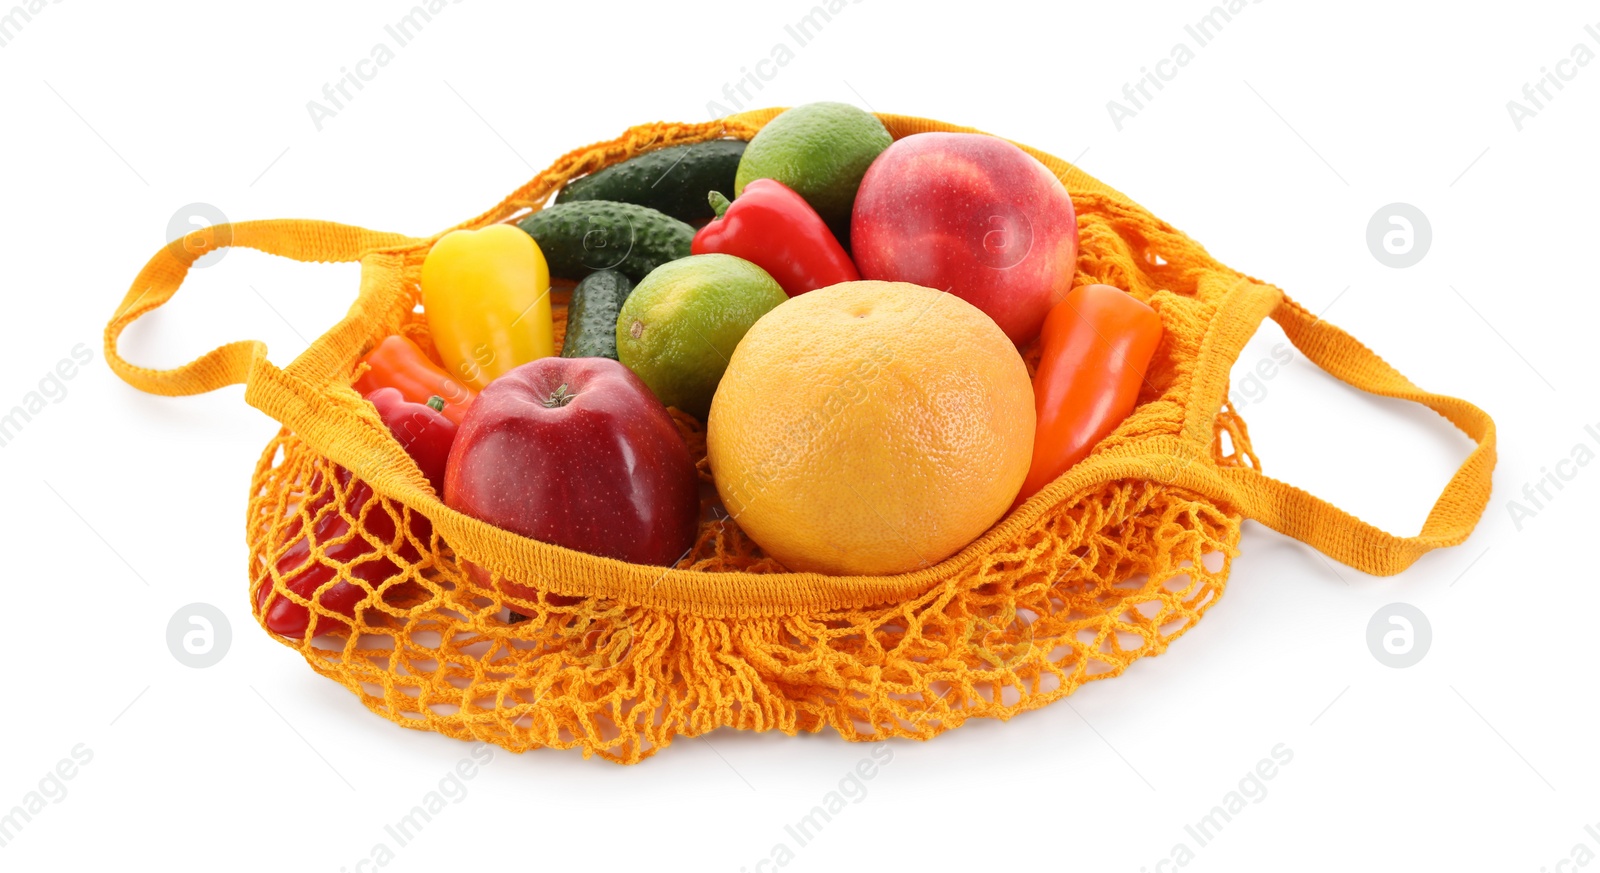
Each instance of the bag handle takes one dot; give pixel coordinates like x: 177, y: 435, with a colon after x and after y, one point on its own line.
x: 1314, y: 521
x: 234, y: 363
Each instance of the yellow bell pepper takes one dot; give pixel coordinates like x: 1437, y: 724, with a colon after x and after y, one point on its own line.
x: 486, y: 294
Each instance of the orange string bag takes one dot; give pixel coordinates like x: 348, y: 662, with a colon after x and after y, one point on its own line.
x: 1106, y: 565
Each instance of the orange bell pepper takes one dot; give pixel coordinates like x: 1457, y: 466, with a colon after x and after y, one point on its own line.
x: 398, y: 363
x: 1096, y: 346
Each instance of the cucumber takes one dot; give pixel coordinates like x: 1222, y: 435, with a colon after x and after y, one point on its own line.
x: 580, y: 238
x: 592, y: 315
x: 673, y: 180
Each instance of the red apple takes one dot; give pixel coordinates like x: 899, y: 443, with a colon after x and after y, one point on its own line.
x: 970, y: 214
x: 577, y: 452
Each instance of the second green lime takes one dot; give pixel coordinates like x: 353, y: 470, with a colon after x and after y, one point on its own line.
x: 679, y: 327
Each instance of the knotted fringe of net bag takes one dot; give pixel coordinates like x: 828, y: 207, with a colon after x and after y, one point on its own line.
x: 1107, y: 565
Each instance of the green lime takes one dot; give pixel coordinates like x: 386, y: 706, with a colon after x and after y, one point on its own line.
x: 679, y: 327
x: 821, y: 150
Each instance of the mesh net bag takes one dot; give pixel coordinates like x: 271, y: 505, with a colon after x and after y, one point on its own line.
x: 1108, y: 564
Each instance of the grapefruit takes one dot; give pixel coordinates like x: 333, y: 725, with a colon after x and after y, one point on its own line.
x: 870, y: 428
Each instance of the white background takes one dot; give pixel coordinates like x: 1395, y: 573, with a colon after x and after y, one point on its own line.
x: 1274, y: 147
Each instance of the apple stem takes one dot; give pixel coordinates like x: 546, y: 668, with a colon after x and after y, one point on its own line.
x: 559, y: 397
x: 719, y: 203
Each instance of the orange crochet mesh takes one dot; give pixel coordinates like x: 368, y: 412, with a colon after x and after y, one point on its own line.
x: 1108, y: 577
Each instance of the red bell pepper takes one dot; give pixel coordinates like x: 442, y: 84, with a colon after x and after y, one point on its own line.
x: 426, y: 435
x: 397, y: 362
x: 422, y: 429
x: 1094, y: 350
x: 777, y: 230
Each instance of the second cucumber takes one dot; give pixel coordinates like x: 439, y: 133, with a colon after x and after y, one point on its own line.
x: 580, y: 238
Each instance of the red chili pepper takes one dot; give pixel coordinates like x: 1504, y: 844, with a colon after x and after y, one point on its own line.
x: 397, y: 362
x: 427, y: 436
x: 777, y: 230
x: 1095, y: 348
